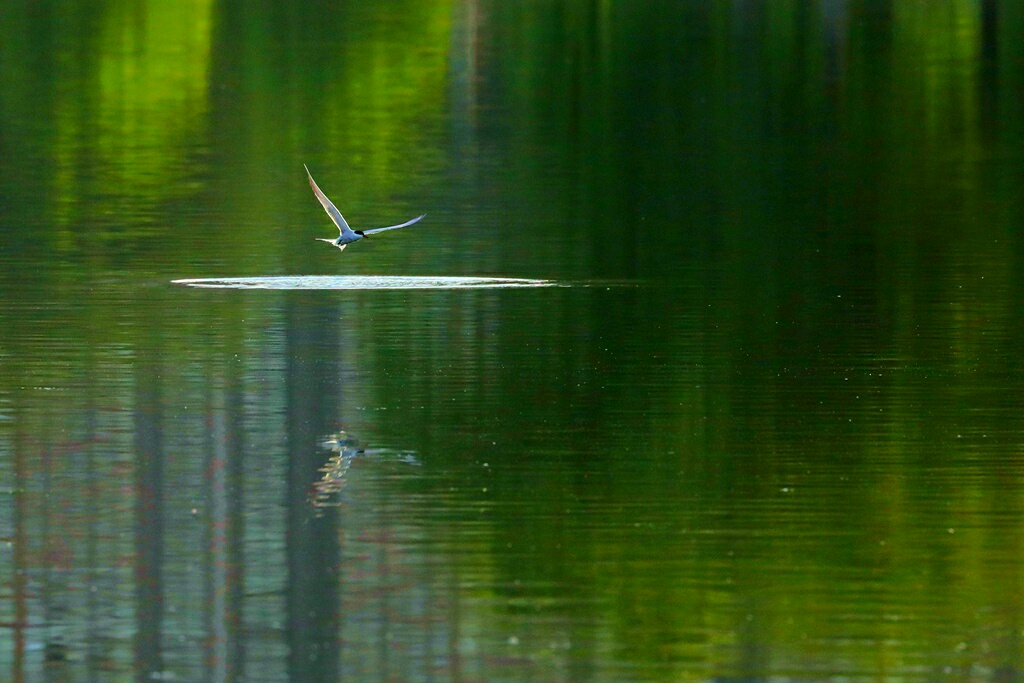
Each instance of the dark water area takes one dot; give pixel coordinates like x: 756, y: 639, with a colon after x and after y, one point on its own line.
x: 764, y: 424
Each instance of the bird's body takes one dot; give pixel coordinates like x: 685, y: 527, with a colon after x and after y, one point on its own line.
x: 347, y: 235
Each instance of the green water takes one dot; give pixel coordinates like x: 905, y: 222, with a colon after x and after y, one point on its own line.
x: 767, y: 424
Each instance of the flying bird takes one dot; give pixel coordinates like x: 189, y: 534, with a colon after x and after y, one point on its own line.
x: 348, y: 235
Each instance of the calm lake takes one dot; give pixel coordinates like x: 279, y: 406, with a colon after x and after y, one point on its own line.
x: 706, y: 364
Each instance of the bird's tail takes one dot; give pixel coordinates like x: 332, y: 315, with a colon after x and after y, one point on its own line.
x: 333, y: 243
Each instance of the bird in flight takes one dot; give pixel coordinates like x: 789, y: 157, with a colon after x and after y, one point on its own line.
x: 348, y: 235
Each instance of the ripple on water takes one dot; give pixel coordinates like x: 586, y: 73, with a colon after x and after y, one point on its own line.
x: 362, y: 282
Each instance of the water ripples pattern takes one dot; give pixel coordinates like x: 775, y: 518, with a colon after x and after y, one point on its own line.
x: 363, y: 282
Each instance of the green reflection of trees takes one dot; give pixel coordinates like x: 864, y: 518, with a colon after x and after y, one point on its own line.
x: 827, y: 184
x: 116, y: 94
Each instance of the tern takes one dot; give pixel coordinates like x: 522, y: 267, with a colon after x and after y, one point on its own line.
x: 348, y: 235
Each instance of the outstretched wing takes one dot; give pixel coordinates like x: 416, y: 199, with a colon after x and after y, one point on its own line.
x: 392, y: 227
x: 330, y: 208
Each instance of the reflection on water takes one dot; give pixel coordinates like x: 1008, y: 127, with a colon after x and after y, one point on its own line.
x: 798, y: 454
x: 344, y: 449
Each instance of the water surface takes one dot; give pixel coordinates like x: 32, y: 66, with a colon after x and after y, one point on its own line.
x: 347, y: 282
x: 795, y: 452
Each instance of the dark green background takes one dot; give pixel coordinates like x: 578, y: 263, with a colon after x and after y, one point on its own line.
x: 773, y: 429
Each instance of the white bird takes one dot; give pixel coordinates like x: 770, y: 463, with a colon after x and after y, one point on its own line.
x: 348, y: 235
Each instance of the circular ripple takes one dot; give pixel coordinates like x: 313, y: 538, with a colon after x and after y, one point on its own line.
x: 362, y: 282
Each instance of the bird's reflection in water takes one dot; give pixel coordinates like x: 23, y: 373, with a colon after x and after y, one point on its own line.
x: 344, y: 449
